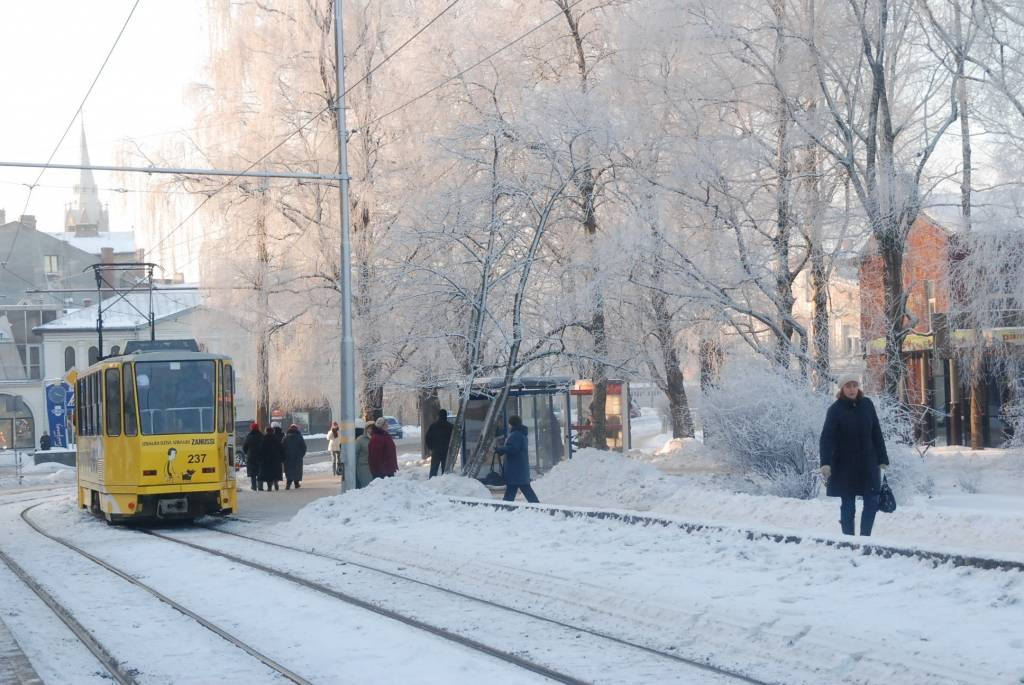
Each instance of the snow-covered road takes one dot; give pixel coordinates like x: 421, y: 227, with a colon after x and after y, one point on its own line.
x: 322, y: 640
x: 777, y: 613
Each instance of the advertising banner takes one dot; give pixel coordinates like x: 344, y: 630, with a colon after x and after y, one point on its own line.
x: 58, y: 395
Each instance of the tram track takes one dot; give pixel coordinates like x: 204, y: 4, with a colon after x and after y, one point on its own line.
x: 731, y: 675
x: 865, y: 548
x: 89, y: 640
x: 506, y: 657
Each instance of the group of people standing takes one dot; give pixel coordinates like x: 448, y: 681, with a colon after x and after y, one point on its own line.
x: 376, y: 454
x: 273, y: 456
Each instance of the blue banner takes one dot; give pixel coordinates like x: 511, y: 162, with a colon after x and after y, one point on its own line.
x: 57, y: 400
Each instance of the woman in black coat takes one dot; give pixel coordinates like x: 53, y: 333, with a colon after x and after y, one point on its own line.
x: 853, y: 454
x: 294, y: 451
x: 253, y: 447
x: 272, y: 459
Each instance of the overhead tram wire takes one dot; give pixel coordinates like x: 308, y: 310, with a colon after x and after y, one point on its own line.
x: 315, y: 117
x: 405, y: 104
x: 451, y: 78
x: 71, y: 123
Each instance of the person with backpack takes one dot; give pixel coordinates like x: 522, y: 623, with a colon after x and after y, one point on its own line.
x: 439, y: 435
x: 516, y: 451
x: 853, y: 455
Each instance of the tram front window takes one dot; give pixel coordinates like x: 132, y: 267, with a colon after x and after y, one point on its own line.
x: 175, y: 397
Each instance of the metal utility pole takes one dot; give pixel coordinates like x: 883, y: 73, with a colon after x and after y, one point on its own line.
x: 347, y: 405
x: 263, y: 311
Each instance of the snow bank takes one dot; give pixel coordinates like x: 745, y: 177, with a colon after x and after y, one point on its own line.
x: 986, y: 525
x: 596, y: 478
x: 48, y: 467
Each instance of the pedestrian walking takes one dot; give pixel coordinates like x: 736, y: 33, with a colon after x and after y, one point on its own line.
x: 853, y: 454
x: 44, y: 441
x: 252, y: 447
x: 516, y: 451
x: 334, y: 447
x: 272, y: 459
x: 438, y: 436
x: 294, y: 452
x: 363, y: 473
x: 278, y: 433
x: 383, y: 456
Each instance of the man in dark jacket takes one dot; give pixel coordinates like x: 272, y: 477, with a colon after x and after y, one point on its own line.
x: 383, y: 455
x: 271, y: 460
x: 517, y: 461
x: 294, y: 452
x: 438, y: 436
x: 853, y: 454
x: 44, y: 441
x: 252, y: 448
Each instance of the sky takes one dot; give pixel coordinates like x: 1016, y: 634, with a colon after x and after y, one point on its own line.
x: 51, y: 51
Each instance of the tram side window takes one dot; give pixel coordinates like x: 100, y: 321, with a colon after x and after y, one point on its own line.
x: 130, y: 425
x: 227, y: 393
x: 113, y: 401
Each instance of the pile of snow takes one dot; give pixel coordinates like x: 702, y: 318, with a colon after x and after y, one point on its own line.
x: 984, y: 526
x: 598, y: 478
x: 48, y: 467
x: 455, y: 485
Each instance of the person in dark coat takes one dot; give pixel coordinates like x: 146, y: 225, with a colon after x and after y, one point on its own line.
x: 278, y: 433
x: 252, y: 447
x: 853, y: 454
x: 294, y: 451
x: 272, y: 458
x: 383, y: 455
x: 438, y: 436
x: 516, y: 451
x: 44, y: 441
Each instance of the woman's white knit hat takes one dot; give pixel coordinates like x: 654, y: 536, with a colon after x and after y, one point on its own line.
x: 848, y: 377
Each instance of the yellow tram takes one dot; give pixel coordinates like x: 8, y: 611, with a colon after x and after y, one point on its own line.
x: 156, y: 433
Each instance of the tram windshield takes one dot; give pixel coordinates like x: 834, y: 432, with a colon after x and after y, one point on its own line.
x: 175, y: 397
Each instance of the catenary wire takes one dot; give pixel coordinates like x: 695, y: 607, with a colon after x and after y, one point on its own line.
x: 71, y: 123
x: 306, y: 125
x: 390, y: 112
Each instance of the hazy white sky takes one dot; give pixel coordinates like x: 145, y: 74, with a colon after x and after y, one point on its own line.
x: 50, y: 52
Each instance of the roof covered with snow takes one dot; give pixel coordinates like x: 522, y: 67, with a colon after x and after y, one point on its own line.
x: 121, y: 241
x: 127, y: 313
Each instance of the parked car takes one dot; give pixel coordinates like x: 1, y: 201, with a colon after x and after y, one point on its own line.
x: 394, y: 427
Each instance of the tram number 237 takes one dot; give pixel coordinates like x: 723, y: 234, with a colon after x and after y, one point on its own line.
x: 196, y: 458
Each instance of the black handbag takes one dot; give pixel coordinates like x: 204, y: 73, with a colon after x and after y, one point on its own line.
x: 494, y: 478
x: 886, y: 500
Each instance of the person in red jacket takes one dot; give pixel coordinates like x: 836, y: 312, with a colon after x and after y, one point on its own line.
x: 383, y: 455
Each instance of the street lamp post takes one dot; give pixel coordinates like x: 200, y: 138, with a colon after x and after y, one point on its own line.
x: 347, y: 405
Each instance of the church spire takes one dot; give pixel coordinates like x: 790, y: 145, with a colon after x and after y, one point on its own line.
x: 85, y: 214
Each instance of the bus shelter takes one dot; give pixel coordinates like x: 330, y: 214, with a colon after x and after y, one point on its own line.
x: 617, y: 410
x: 544, y: 405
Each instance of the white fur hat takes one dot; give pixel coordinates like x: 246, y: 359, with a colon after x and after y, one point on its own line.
x: 845, y: 378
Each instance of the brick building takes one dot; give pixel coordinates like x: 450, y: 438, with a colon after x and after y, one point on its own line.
x: 932, y: 384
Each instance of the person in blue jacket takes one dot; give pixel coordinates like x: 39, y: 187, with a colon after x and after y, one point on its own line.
x: 516, y: 451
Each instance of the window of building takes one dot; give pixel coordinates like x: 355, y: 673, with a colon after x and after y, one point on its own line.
x: 929, y: 295
x: 17, y: 427
x: 23, y: 319
x: 34, y: 366
x: 851, y: 341
x: 69, y: 358
x: 51, y: 264
x: 115, y: 350
x: 94, y: 355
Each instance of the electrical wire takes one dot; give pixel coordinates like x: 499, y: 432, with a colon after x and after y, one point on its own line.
x: 71, y: 123
x: 315, y: 117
